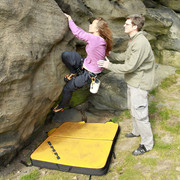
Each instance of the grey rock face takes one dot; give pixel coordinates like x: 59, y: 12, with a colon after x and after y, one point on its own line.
x: 172, y: 4
x: 30, y: 67
x: 112, y: 94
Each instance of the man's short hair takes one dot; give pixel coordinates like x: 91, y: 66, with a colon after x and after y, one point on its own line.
x: 137, y: 20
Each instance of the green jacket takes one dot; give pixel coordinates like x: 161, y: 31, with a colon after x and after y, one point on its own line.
x: 139, y: 64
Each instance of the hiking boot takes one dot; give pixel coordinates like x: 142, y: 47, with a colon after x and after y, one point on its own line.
x: 130, y: 135
x: 70, y: 76
x: 140, y: 150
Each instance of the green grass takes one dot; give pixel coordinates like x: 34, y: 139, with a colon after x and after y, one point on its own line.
x: 159, y: 145
x: 152, y: 107
x: 154, y: 92
x: 153, y: 122
x: 115, y: 119
x: 119, y: 169
x: 131, y: 173
x: 164, y: 114
x: 165, y: 175
x: 164, y: 151
x: 167, y: 82
x: 172, y: 129
x: 178, y: 71
x: 149, y: 162
x: 171, y: 175
x: 130, y: 160
x: 125, y: 115
x: 34, y: 175
x: 127, y: 170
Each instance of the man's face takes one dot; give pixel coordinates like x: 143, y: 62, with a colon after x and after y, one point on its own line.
x: 129, y: 27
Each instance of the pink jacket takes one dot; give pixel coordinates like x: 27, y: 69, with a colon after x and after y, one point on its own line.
x: 95, y: 48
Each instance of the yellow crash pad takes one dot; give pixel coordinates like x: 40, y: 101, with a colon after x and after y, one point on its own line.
x: 78, y: 147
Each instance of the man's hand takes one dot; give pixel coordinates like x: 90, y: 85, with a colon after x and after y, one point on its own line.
x: 103, y: 63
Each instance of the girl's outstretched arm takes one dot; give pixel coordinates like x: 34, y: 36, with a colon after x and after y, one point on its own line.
x: 77, y: 31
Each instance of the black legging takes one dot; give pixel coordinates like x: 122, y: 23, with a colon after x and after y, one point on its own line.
x: 74, y: 62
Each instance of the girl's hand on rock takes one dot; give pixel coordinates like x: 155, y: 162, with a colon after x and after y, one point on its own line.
x: 68, y: 16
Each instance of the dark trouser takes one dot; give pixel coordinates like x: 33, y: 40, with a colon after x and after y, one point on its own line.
x: 74, y: 62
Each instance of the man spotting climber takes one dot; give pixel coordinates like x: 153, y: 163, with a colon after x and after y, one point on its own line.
x: 138, y: 70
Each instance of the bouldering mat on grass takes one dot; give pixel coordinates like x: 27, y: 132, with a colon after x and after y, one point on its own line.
x: 78, y: 147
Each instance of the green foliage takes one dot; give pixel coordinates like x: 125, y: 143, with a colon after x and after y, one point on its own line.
x: 34, y: 175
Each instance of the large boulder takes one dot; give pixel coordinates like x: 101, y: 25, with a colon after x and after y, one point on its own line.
x: 30, y: 68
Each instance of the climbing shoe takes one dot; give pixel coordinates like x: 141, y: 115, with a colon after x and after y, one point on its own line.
x: 57, y: 108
